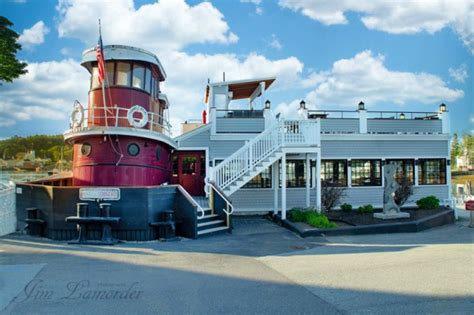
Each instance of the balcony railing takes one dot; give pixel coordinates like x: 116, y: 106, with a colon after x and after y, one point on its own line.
x: 338, y: 114
x: 120, y: 117
x: 239, y: 113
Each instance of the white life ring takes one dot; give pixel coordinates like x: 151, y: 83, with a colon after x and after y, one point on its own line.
x: 77, y: 115
x: 137, y: 123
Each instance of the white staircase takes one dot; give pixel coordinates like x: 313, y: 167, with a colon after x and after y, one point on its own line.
x: 209, y: 222
x: 262, y: 151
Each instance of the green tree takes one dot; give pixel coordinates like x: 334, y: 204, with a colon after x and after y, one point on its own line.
x: 456, y: 150
x: 10, y: 67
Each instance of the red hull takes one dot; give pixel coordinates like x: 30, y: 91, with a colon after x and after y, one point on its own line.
x: 100, y: 167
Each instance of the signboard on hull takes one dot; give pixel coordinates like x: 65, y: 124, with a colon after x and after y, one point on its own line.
x: 99, y: 193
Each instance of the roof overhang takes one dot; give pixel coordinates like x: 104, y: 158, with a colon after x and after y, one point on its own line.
x: 241, y: 89
x: 122, y: 52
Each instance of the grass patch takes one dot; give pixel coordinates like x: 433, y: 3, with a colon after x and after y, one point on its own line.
x: 311, y: 217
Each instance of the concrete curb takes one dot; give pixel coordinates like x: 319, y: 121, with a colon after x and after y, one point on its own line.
x: 439, y: 219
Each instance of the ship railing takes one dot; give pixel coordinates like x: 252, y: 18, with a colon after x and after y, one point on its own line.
x: 115, y: 116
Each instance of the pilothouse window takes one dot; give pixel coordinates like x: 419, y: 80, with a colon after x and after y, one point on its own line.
x: 95, y: 78
x: 109, y: 70
x: 138, y: 76
x: 123, y: 73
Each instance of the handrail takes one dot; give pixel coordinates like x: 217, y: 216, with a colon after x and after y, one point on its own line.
x: 117, y: 117
x: 280, y: 133
x: 379, y: 113
x: 222, y: 194
x: 191, y: 200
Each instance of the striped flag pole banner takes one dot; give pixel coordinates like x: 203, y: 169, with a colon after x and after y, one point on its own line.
x: 101, y: 67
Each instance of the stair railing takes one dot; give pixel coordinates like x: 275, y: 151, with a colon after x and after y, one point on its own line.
x: 281, y: 133
x: 211, y: 188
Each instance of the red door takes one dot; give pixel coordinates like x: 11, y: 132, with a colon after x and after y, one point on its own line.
x: 189, y: 170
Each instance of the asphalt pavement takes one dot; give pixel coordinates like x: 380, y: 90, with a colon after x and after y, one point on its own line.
x: 259, y: 268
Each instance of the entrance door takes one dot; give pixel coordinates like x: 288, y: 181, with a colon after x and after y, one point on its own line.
x: 189, y: 170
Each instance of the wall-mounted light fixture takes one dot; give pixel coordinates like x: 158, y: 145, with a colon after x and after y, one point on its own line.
x: 402, y: 116
x: 442, y: 108
x: 361, y: 106
x: 302, y: 104
x: 267, y: 104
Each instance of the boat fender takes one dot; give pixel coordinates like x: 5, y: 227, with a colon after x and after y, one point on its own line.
x: 140, y: 122
x: 77, y: 115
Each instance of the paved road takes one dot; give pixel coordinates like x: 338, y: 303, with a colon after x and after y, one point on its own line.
x: 260, y: 268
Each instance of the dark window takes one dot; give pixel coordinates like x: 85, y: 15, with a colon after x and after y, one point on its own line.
x: 295, y: 173
x: 158, y: 153
x: 148, y: 80
x: 262, y: 180
x: 405, y: 169
x: 366, y: 173
x: 432, y: 171
x: 138, y: 79
x: 133, y: 149
x: 189, y: 165
x: 334, y: 171
x: 86, y: 149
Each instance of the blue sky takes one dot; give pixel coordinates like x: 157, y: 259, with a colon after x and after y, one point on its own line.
x: 406, y: 56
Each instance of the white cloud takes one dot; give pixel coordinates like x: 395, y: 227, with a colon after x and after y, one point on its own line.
x: 365, y: 77
x: 396, y: 17
x: 164, y: 25
x: 47, y: 91
x: 258, y: 8
x: 275, y: 43
x: 34, y: 35
x: 460, y: 74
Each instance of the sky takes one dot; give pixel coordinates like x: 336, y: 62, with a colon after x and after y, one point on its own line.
x: 394, y: 55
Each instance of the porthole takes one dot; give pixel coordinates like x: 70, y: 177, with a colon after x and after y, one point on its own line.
x: 158, y: 153
x: 133, y: 149
x: 86, y: 149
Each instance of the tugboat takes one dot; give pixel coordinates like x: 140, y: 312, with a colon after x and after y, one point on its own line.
x: 123, y: 137
x: 121, y: 182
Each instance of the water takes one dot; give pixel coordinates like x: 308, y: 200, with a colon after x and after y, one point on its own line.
x: 7, y: 176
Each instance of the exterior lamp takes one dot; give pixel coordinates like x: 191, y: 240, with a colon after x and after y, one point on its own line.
x: 361, y: 105
x: 267, y: 104
x: 442, y: 108
x: 302, y: 105
x: 402, y: 116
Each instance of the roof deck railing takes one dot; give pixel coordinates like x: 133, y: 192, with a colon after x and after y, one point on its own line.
x: 348, y: 114
x: 239, y: 113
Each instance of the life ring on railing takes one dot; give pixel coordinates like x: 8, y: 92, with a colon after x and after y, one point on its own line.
x: 137, y: 123
x: 77, y: 115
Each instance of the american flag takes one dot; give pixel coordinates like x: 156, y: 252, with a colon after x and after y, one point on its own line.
x: 100, y: 59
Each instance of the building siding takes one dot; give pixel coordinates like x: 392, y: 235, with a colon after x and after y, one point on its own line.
x: 244, y: 199
x: 240, y: 125
x: 408, y: 125
x: 383, y: 148
x: 218, y: 149
x: 340, y: 125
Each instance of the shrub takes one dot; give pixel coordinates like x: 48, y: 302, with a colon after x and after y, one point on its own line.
x: 429, y: 202
x: 310, y: 217
x: 319, y: 220
x: 346, y: 207
x: 331, y: 194
x: 365, y: 209
x: 404, y: 191
x: 297, y: 215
